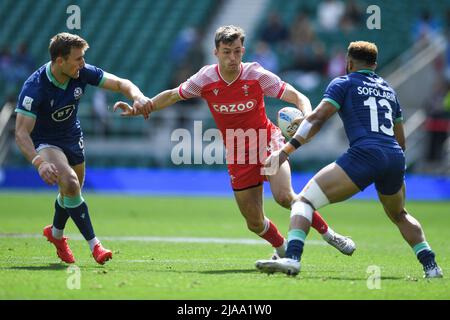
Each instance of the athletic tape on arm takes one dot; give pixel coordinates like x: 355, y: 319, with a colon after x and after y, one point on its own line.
x: 304, y: 129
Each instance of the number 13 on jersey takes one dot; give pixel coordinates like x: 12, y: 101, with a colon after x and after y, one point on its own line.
x: 373, y: 105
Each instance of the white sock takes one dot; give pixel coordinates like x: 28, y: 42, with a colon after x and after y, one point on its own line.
x: 93, y: 242
x: 281, y: 250
x: 57, y: 233
x: 328, y: 235
x: 266, y: 226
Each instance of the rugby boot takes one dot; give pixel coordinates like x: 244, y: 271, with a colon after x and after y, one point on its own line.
x: 62, y: 248
x: 287, y: 266
x: 100, y: 254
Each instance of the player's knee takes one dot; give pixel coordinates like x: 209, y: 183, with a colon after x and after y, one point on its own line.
x: 399, y: 216
x: 255, y: 225
x: 70, y: 185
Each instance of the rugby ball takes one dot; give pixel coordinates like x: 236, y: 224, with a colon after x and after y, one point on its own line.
x: 285, y: 118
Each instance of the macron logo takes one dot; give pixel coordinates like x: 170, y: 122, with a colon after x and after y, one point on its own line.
x: 27, y: 102
x: 216, y: 91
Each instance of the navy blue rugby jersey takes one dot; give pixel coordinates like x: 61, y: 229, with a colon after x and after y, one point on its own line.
x: 368, y: 107
x: 55, y: 105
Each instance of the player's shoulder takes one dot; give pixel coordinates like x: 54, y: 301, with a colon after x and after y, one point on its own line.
x: 380, y: 83
x: 253, y: 71
x: 341, y: 81
x: 252, y: 67
x: 89, y: 69
x: 344, y: 78
x: 36, y: 80
x: 384, y: 82
x: 207, y: 74
x: 208, y: 69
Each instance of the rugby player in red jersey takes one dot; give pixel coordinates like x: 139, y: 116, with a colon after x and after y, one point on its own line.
x: 235, y: 94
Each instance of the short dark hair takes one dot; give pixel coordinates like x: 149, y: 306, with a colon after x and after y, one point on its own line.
x: 363, y: 51
x: 62, y: 43
x: 228, y: 34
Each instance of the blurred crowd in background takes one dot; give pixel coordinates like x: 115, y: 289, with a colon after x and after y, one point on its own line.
x: 295, y: 52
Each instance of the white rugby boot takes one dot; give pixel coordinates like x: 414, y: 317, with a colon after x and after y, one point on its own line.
x: 344, y: 244
x: 432, y: 271
x: 287, y: 266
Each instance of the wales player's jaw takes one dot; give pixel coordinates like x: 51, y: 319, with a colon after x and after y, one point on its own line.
x: 230, y: 58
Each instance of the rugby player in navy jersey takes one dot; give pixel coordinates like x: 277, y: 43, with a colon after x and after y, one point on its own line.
x: 372, y: 117
x: 49, y: 135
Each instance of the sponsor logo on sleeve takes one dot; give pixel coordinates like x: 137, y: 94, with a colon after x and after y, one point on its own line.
x: 27, y: 102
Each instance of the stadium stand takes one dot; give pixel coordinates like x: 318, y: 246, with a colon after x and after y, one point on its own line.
x: 133, y: 42
x: 394, y: 37
x: 136, y: 40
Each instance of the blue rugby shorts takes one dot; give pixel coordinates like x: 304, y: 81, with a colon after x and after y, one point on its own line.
x: 375, y: 164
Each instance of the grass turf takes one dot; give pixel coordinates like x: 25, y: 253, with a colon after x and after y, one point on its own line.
x: 29, y: 268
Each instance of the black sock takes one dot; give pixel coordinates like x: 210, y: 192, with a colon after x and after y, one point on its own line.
x: 80, y: 215
x: 426, y: 258
x: 61, y: 216
x: 294, y: 249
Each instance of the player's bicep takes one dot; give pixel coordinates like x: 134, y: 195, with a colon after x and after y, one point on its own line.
x: 322, y: 112
x: 24, y: 124
x: 295, y: 97
x: 289, y: 94
x: 110, y: 82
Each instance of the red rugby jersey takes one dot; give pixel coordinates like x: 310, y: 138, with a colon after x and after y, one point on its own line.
x: 240, y: 103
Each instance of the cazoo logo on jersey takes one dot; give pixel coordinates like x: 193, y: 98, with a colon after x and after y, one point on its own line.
x: 232, y: 108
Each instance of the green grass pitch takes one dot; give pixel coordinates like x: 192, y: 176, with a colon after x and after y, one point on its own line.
x: 30, y: 269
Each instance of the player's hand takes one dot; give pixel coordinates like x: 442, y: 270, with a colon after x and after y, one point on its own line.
x: 292, y: 129
x: 274, y: 162
x: 127, y: 110
x: 144, y: 106
x: 48, y: 173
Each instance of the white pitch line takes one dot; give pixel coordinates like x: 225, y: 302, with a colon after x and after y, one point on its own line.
x: 160, y: 239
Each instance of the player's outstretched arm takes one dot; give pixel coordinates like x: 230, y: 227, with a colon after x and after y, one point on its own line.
x: 165, y: 99
x: 314, y: 122
x: 141, y: 103
x: 24, y: 126
x: 293, y: 96
x: 158, y: 102
x: 307, y: 129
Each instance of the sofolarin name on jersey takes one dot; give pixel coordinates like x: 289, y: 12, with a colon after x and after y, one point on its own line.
x: 376, y: 92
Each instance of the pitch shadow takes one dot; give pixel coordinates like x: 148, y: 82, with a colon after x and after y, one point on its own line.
x: 227, y: 271
x: 351, y: 278
x: 50, y: 266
